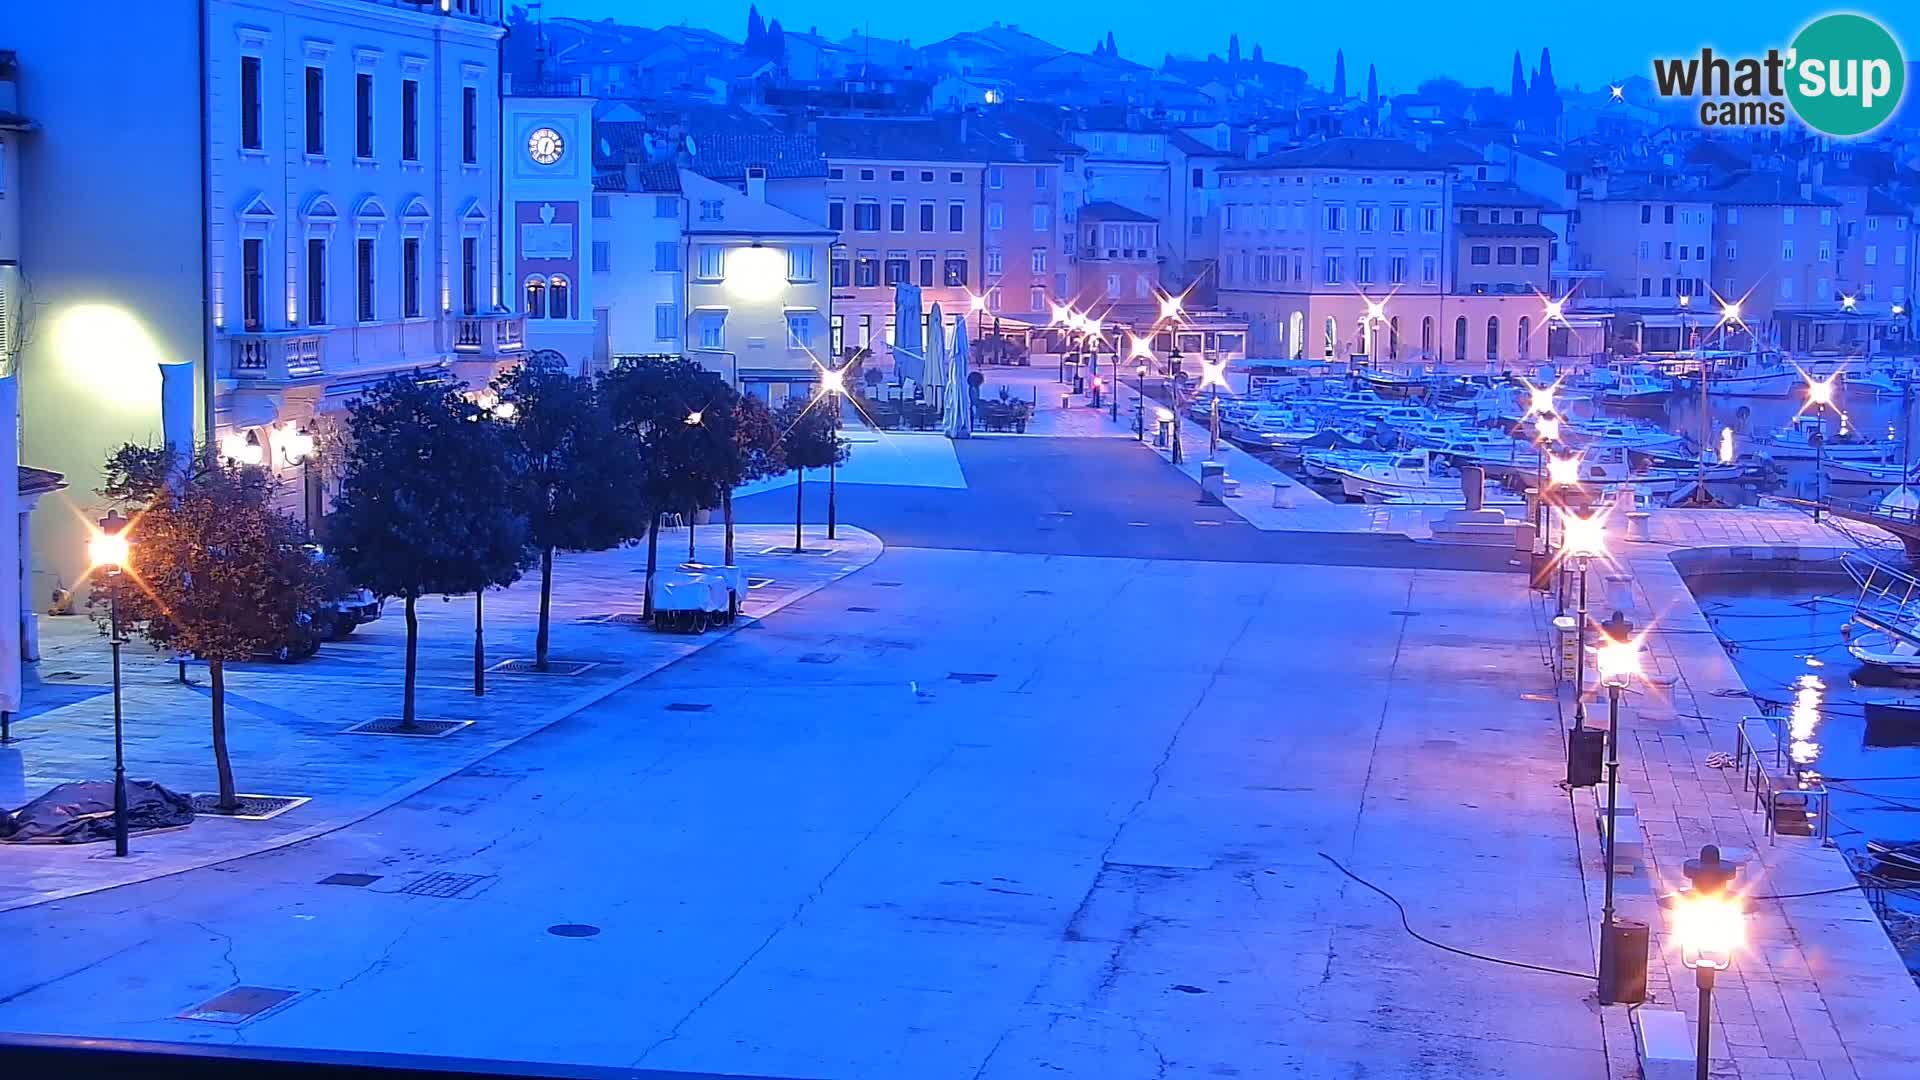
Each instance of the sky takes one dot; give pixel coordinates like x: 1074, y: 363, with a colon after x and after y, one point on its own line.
x: 1473, y: 41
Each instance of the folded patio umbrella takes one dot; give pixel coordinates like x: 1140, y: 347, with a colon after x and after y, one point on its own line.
x: 909, y: 352
x: 936, y: 373
x: 956, y: 419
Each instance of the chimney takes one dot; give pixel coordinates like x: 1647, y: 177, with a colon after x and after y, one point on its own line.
x: 634, y: 182
x: 1806, y: 192
x: 757, y: 183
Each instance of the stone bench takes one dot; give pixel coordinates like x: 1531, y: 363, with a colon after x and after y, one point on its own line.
x: 1664, y: 1043
x: 1630, y: 848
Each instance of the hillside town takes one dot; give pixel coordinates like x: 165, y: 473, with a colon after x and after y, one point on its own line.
x: 551, y: 540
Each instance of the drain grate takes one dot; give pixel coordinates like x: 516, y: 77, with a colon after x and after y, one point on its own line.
x: 1139, y: 524
x: 573, y: 930
x: 240, y: 1004
x: 1403, y: 612
x: 358, y: 881
x: 787, y: 549
x: 688, y: 706
x: 421, y: 729
x: 758, y: 582
x: 554, y: 667
x: 888, y: 584
x: 865, y: 610
x: 1039, y: 592
x: 971, y: 677
x: 819, y: 657
x: 448, y: 885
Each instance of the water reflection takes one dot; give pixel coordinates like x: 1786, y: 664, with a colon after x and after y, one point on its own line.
x: 1803, y: 719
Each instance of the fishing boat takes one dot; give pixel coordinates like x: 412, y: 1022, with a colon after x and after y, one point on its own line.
x: 1898, y: 861
x: 1326, y: 463
x: 1746, y: 374
x: 1874, y: 383
x: 1866, y: 472
x: 1637, y: 388
x: 1796, y: 443
x: 1414, y: 472
x: 1399, y: 387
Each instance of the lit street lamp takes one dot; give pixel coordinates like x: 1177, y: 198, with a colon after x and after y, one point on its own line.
x: 1820, y: 395
x: 1140, y: 400
x: 1585, y: 538
x: 1561, y: 472
x: 109, y: 550
x: 1213, y: 375
x: 832, y: 382
x: 1709, y: 928
x: 1618, y: 658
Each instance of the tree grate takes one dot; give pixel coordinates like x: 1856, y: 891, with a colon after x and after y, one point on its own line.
x: 252, y: 807
x: 240, y: 1004
x: 971, y: 677
x: 573, y: 930
x: 688, y: 706
x: 888, y: 584
x: 393, y: 725
x: 1039, y: 592
x: 819, y: 657
x: 448, y: 885
x: 357, y: 881
x: 554, y: 667
x: 863, y: 610
x: 787, y: 549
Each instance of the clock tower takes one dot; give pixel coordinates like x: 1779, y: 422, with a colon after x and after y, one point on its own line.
x: 548, y: 173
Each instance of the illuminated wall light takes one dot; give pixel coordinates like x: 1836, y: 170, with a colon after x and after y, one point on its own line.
x: 106, y: 349
x: 756, y: 273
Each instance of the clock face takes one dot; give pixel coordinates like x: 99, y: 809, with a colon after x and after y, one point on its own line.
x: 544, y: 145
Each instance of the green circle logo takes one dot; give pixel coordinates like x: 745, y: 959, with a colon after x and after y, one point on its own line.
x: 1846, y: 75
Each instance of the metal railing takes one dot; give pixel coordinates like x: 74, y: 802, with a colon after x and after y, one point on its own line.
x: 1782, y: 790
x: 497, y: 333
x: 275, y: 356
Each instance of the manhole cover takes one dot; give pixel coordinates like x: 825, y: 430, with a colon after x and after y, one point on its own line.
x: 971, y: 676
x: 554, y: 667
x: 358, y: 881
x: 887, y: 584
x: 240, y: 1004
x: 1187, y: 988
x: 1139, y: 525
x: 573, y: 929
x: 688, y: 706
x: 1402, y: 611
x: 819, y: 657
x: 447, y: 885
x: 252, y: 807
x: 1039, y: 592
x: 421, y: 729
x: 865, y: 610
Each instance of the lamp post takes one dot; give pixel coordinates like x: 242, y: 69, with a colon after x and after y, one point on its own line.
x: 1619, y: 660
x: 1585, y: 537
x: 1561, y: 472
x: 1174, y: 396
x: 1820, y: 395
x: 1213, y: 375
x: 1140, y: 400
x: 1546, y: 432
x: 109, y: 549
x: 1709, y: 927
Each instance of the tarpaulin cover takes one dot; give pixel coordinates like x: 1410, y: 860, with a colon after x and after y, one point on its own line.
x: 81, y: 812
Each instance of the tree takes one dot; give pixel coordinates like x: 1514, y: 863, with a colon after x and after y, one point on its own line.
x: 1233, y: 49
x: 759, y: 453
x: 656, y: 402
x: 428, y: 505
x: 756, y: 44
x: 1373, y: 99
x: 1112, y: 52
x: 1340, y: 74
x: 1546, y: 95
x: 1259, y: 57
x: 1519, y: 90
x: 810, y: 439
x: 575, y: 464
x: 214, y: 570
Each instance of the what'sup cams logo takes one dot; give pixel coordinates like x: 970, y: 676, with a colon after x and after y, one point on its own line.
x: 1842, y: 76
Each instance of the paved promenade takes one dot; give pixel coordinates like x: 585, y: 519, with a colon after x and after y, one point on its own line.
x: 286, y: 722
x: 1820, y: 990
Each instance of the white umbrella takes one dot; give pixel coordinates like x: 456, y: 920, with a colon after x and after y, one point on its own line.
x: 936, y: 349
x: 909, y: 354
x: 957, y: 417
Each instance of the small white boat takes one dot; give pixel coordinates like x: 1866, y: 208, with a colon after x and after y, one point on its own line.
x: 1887, y: 652
x: 1637, y: 388
x: 1866, y: 472
x: 1875, y: 383
x: 1327, y: 464
x: 1746, y: 374
x: 1415, y: 472
x: 1796, y: 443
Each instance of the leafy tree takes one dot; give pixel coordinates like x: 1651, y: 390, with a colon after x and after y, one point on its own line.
x: 575, y: 464
x: 654, y: 402
x: 213, y: 570
x: 428, y: 505
x: 758, y: 453
x: 810, y: 439
x: 1233, y: 49
x: 1340, y: 74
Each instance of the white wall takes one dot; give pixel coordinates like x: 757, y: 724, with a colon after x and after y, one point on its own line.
x: 632, y: 288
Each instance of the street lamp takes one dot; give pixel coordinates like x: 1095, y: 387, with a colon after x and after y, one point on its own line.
x: 109, y: 549
x: 1820, y: 395
x: 1618, y: 659
x: 297, y: 449
x: 1585, y: 538
x: 1540, y: 400
x: 1709, y: 927
x: 832, y: 382
x: 1140, y: 400
x: 1174, y: 396
x: 1213, y: 375
x: 1546, y: 432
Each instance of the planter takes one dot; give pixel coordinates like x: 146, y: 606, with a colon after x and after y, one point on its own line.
x: 1020, y: 425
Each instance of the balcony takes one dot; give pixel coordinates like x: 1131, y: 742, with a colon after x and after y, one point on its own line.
x: 495, y: 334
x: 275, y: 356
x: 1115, y: 254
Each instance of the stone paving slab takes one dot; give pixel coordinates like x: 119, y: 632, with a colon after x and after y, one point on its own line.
x: 286, y: 723
x: 1820, y: 990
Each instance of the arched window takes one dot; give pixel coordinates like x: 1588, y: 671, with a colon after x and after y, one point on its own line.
x: 1393, y: 338
x: 1297, y: 334
x: 1333, y: 335
x: 1526, y: 331
x: 536, y: 298
x: 1360, y: 335
x: 1426, y: 336
x: 1493, y: 337
x: 558, y: 297
x: 1460, y: 338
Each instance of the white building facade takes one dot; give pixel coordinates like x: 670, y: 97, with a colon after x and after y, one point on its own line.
x: 551, y: 247
x: 308, y: 207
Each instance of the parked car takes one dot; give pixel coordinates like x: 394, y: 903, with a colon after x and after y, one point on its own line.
x: 350, y: 607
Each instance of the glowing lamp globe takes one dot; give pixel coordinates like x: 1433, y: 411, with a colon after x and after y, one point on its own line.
x: 108, y: 549
x: 755, y: 273
x: 1562, y: 471
x: 1708, y: 929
